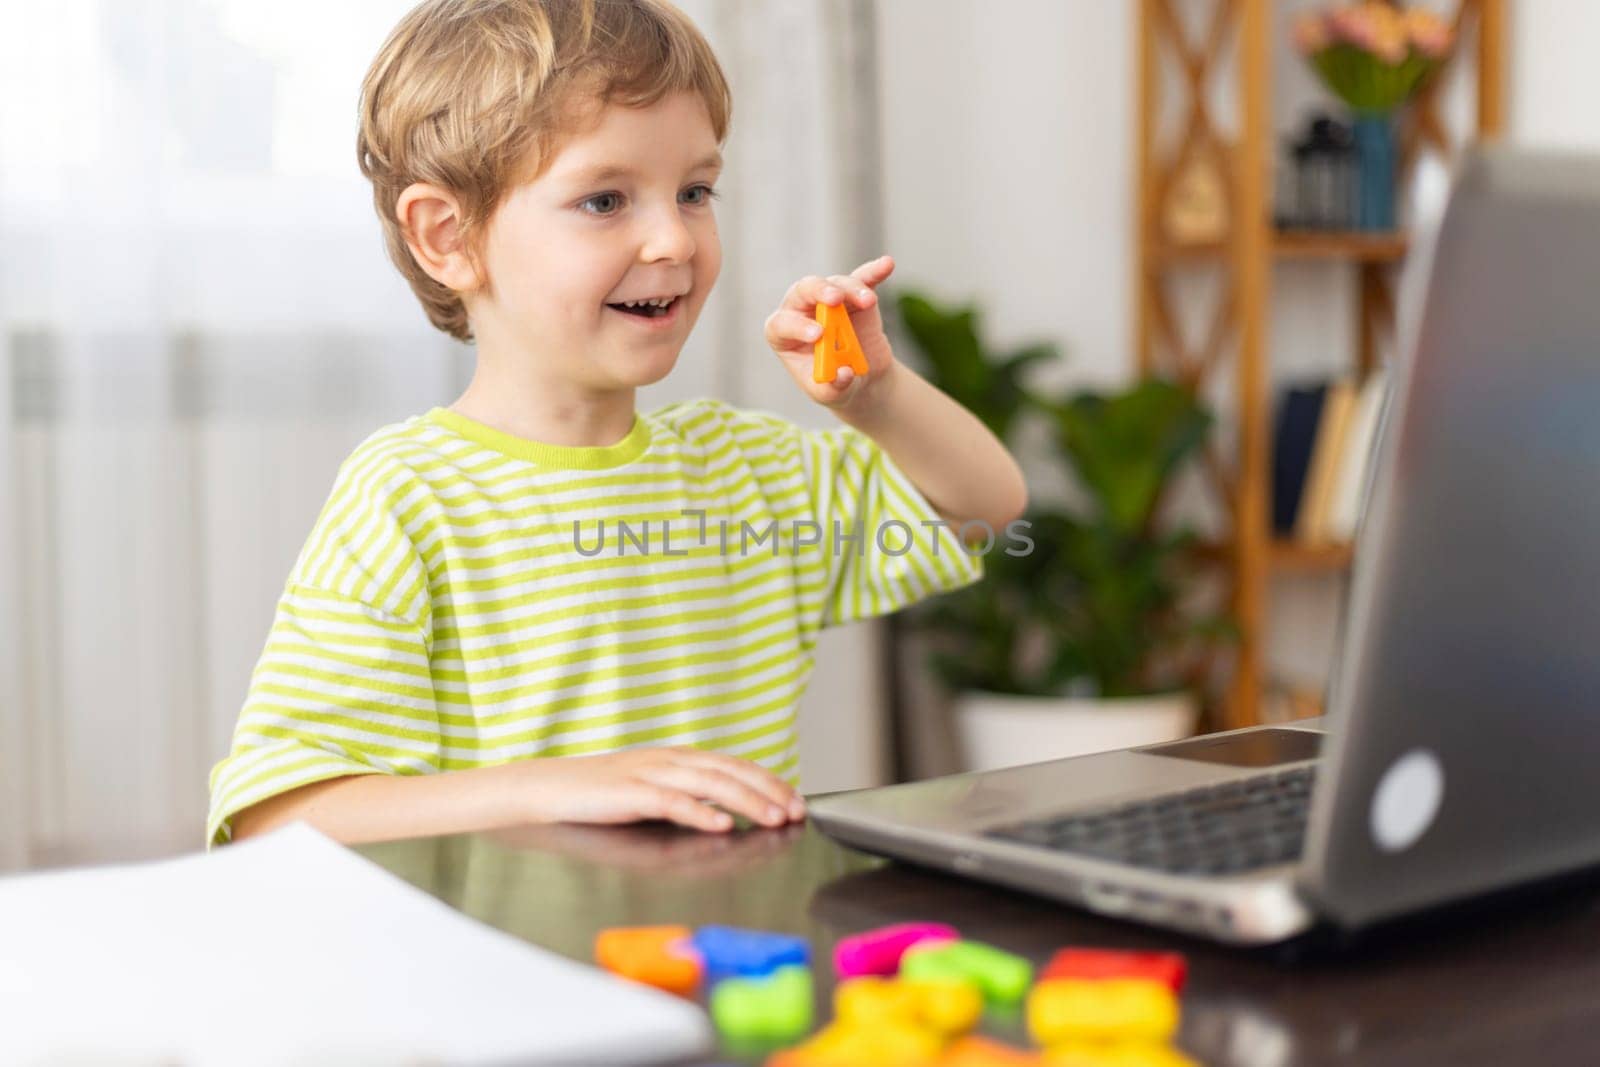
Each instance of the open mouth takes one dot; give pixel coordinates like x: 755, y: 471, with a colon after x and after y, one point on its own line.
x: 648, y: 309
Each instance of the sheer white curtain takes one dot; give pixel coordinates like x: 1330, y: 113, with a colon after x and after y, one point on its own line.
x: 197, y: 323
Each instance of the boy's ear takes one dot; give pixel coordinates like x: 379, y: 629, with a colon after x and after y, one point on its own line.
x: 430, y: 219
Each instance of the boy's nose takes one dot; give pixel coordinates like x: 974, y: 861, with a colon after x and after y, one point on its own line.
x: 667, y: 239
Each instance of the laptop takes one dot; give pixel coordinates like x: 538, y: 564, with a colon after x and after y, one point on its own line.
x: 1460, y: 752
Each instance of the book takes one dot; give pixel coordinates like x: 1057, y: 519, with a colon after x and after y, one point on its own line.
x: 1310, y: 525
x: 1294, y: 434
x: 1349, y: 489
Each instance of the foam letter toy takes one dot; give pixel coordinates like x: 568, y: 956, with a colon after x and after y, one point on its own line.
x: 1108, y: 1009
x: 879, y: 951
x: 869, y: 1001
x: 654, y: 955
x: 945, y: 1006
x: 729, y: 952
x: 773, y: 1008
x: 1000, y: 976
x: 837, y: 346
x: 982, y: 1052
x: 1168, y: 968
x: 883, y: 1045
x: 1115, y: 1054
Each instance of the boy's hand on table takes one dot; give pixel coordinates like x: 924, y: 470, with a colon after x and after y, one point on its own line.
x: 792, y: 331
x: 676, y: 784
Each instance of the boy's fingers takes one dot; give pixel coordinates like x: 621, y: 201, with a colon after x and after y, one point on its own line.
x: 858, y: 292
x: 654, y: 801
x: 722, y: 789
x: 805, y: 294
x: 761, y: 780
x: 787, y: 328
x: 875, y: 271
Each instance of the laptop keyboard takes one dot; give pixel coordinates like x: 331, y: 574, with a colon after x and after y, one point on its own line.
x: 1216, y: 830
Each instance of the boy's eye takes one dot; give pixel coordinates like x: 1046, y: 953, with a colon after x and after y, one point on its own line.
x: 699, y: 195
x: 603, y: 204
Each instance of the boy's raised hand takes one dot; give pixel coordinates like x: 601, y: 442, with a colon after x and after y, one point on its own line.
x: 792, y: 330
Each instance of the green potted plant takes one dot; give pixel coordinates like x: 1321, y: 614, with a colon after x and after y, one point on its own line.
x: 1082, y: 640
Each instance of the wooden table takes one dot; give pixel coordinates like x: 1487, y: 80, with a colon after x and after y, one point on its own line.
x: 1516, y: 983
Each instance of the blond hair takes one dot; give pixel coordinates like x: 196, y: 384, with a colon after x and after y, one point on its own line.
x: 477, y: 95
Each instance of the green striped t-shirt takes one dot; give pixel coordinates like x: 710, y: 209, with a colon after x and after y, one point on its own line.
x: 468, y: 598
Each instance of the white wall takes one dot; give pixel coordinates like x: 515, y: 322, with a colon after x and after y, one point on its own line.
x: 1008, y: 165
x: 1555, y: 81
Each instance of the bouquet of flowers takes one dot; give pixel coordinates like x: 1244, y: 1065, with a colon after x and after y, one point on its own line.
x: 1373, y: 55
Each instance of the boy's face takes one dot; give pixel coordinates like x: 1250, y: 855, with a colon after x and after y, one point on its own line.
x: 623, y: 213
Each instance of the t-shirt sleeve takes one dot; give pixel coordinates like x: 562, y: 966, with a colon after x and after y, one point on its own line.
x: 884, y: 546
x: 343, y: 686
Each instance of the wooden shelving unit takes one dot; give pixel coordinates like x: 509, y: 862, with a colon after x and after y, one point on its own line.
x: 1293, y: 557
x: 1238, y: 40
x: 1301, y: 244
x: 1355, y: 247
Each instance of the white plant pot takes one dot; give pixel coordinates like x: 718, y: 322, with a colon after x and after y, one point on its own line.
x: 1004, y: 730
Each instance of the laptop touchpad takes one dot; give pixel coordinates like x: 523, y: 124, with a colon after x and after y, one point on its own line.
x: 1255, y: 748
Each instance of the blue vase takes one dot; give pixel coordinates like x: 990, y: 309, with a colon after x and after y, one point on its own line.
x: 1375, y: 172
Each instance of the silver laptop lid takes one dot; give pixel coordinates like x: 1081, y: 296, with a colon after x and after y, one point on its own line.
x: 1464, y: 744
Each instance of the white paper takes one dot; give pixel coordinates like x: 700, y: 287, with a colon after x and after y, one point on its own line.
x: 289, y: 949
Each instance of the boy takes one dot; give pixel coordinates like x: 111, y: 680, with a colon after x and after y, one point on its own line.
x: 476, y: 592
